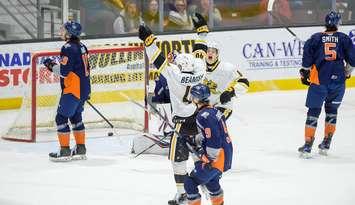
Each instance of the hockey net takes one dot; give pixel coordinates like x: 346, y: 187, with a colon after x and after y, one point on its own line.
x: 118, y: 76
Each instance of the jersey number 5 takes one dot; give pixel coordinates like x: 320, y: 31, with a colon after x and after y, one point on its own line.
x: 329, y: 51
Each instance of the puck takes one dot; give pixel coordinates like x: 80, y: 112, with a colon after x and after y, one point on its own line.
x: 110, y: 134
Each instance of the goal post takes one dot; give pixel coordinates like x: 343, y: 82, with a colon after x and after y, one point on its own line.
x: 115, y: 72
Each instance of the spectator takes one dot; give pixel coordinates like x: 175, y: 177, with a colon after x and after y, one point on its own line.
x: 351, y: 10
x: 129, y: 19
x: 281, y: 8
x: 179, y: 19
x: 151, y: 17
x: 98, y: 16
x: 202, y: 7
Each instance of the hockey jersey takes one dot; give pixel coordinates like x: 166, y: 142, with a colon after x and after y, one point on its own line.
x: 161, y: 91
x: 216, y: 142
x: 179, y: 83
x: 221, y: 77
x: 324, y: 54
x: 74, y: 68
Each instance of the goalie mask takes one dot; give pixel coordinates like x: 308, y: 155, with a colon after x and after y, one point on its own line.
x: 185, y: 62
x: 212, y: 52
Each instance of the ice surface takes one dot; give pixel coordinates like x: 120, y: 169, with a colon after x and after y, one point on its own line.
x: 267, y: 129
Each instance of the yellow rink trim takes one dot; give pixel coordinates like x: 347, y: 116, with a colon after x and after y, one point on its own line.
x: 138, y: 94
x: 285, y: 84
x: 10, y: 103
x: 96, y: 97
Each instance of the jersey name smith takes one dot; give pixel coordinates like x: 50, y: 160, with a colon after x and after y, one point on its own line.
x: 330, y: 39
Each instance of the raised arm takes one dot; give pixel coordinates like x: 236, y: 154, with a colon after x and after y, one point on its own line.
x: 200, y: 47
x: 153, y: 52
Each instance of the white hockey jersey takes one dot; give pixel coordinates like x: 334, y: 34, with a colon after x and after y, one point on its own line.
x: 222, y: 77
x: 179, y: 83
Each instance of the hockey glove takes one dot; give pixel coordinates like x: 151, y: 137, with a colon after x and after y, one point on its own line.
x: 305, y: 76
x: 226, y: 96
x: 146, y: 35
x: 200, y: 152
x: 348, y: 70
x: 200, y: 23
x: 49, y: 63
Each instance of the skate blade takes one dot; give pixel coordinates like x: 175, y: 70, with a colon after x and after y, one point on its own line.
x: 60, y: 159
x: 323, y: 152
x: 177, y: 203
x: 79, y: 157
x: 305, y: 155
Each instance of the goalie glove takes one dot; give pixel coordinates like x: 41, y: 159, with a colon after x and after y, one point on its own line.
x: 305, y: 76
x: 200, y: 23
x: 146, y: 35
x: 49, y: 63
x: 226, y: 96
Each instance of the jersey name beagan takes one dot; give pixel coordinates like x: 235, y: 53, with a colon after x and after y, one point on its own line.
x: 191, y: 79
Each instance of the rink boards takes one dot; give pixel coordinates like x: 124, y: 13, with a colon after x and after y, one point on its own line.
x: 270, y: 58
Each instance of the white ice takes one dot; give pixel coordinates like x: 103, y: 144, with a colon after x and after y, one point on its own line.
x: 267, y: 129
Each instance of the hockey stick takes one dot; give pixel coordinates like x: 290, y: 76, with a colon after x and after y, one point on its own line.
x: 191, y: 149
x: 104, y: 118
x: 156, y: 113
x: 270, y: 5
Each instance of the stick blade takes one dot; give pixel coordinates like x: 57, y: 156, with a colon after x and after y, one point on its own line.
x: 270, y: 4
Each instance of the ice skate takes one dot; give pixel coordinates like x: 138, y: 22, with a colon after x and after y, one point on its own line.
x: 305, y: 150
x: 179, y: 199
x: 79, y: 152
x: 63, y: 155
x: 324, y: 146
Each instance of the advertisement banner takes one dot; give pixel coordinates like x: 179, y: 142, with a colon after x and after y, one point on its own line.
x: 263, y: 55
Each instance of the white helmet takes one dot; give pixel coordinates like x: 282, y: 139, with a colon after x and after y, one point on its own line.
x: 212, y: 56
x: 213, y: 44
x: 185, y: 62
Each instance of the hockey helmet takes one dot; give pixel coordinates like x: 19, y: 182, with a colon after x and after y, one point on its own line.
x: 185, y: 62
x: 332, y: 19
x: 213, y: 44
x: 212, y: 52
x: 73, y: 28
x: 200, y: 93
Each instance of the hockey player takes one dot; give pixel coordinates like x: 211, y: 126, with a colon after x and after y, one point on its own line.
x: 75, y: 83
x: 187, y: 71
x: 161, y: 90
x: 224, y: 80
x: 215, y: 152
x: 324, y: 71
